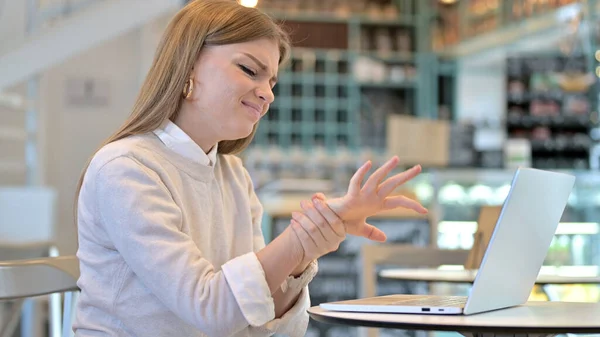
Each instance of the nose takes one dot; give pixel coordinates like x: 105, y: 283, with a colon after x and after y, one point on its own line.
x: 265, y: 92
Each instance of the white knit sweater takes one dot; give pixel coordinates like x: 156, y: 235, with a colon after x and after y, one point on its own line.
x: 166, y: 248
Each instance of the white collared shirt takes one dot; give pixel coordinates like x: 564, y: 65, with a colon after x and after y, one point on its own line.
x: 179, y: 141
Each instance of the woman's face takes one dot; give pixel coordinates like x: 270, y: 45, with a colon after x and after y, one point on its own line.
x: 233, y: 88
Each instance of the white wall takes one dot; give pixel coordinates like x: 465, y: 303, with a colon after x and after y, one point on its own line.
x: 12, y: 24
x: 70, y: 131
x: 73, y: 131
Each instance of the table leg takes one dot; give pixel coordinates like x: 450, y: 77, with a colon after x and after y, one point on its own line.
x: 544, y: 289
x: 493, y: 334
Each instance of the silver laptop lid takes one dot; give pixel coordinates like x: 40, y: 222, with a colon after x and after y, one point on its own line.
x: 520, y: 241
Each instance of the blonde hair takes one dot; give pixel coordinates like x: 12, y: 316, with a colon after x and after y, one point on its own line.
x: 200, y: 23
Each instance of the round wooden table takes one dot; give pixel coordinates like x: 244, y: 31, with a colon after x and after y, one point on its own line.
x: 531, y: 319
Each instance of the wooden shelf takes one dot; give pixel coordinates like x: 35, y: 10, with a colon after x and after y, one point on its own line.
x: 388, y: 85
x: 402, y: 20
x: 389, y: 57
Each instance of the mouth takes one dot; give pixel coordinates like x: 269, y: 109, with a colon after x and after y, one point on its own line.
x: 253, y: 109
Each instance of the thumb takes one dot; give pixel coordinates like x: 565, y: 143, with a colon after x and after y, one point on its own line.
x: 332, y: 203
x: 373, y: 233
x: 320, y: 196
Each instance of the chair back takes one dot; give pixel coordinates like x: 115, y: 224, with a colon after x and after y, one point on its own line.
x: 402, y: 255
x: 488, y: 216
x: 10, y: 251
x: 27, y: 214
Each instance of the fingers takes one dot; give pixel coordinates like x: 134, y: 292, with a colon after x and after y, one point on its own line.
x: 390, y: 184
x: 311, y: 230
x: 372, y: 233
x: 358, y: 177
x: 377, y: 176
x: 334, y: 221
x: 320, y: 222
x: 308, y: 244
x: 402, y: 201
x: 319, y: 196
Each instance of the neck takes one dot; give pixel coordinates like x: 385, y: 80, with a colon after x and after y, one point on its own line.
x: 193, y: 128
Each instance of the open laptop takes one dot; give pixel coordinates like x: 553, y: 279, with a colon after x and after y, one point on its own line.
x: 512, y: 260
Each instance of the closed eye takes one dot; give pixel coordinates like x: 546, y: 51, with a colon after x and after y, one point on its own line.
x: 247, y: 70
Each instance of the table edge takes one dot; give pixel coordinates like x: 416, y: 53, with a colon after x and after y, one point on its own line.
x: 456, y: 328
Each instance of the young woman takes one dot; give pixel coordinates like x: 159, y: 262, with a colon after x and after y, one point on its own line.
x: 170, y: 240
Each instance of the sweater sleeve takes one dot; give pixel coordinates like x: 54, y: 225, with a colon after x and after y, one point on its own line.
x: 143, y: 222
x: 295, y: 321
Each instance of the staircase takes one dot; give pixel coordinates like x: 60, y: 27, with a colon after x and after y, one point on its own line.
x: 98, y: 21
x: 13, y: 138
x: 37, y: 35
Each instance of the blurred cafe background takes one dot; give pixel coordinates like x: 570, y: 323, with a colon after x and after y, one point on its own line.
x: 469, y: 89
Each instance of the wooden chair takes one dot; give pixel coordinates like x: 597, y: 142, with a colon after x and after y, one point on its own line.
x: 405, y: 256
x: 488, y: 216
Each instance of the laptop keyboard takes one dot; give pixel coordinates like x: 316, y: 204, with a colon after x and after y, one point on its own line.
x: 434, y: 301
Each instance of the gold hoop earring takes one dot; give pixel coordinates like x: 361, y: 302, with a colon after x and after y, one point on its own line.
x: 188, y: 88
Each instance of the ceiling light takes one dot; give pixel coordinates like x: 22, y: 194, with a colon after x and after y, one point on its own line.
x: 249, y: 3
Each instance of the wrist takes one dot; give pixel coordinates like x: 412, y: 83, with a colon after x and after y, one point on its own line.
x: 295, y: 284
x: 300, y: 268
x: 296, y: 250
x: 336, y: 206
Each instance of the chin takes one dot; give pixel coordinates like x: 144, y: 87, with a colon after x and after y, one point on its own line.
x: 247, y: 133
x: 241, y: 133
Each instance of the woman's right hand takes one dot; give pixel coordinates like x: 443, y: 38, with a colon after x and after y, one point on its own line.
x: 318, y: 228
x: 375, y: 195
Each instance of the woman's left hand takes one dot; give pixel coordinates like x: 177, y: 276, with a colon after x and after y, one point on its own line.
x: 319, y: 230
